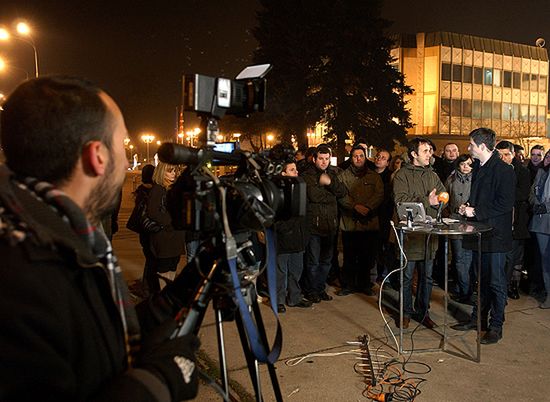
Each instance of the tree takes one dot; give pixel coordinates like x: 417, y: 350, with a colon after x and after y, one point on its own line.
x: 332, y: 65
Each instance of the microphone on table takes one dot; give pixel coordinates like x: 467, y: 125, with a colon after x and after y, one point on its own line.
x: 443, y: 199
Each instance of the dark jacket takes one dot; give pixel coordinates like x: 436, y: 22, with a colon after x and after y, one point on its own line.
x: 168, y: 242
x: 291, y: 235
x: 322, y: 207
x: 521, y: 206
x: 364, y: 187
x: 493, y: 195
x: 62, y: 338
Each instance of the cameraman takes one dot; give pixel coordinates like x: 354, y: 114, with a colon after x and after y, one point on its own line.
x: 69, y: 332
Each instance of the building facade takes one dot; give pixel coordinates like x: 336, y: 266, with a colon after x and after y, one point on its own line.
x: 462, y: 82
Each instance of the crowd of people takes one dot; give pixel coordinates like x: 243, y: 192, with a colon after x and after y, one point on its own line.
x: 355, y: 203
x: 69, y: 331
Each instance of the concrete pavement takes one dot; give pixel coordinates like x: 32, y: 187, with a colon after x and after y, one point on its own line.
x: 515, y: 369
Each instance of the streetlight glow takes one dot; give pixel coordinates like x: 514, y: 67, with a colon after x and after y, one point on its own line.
x: 2, y: 64
x: 23, y: 34
x: 270, y: 137
x: 23, y: 28
x: 4, y: 34
x: 147, y: 139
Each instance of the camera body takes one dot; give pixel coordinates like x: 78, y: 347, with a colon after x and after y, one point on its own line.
x: 256, y: 196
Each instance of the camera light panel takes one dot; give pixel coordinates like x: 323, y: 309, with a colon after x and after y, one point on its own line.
x: 224, y: 92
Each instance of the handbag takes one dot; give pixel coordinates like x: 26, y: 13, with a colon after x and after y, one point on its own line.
x: 139, y: 222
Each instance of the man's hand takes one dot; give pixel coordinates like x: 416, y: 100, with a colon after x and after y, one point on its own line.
x: 466, y: 210
x: 433, y: 198
x: 361, y: 209
x: 172, y: 360
x: 324, y: 180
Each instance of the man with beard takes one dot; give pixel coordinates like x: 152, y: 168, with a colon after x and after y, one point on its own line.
x: 69, y: 332
x: 359, y: 223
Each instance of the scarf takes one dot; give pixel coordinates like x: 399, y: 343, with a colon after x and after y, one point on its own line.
x: 100, y: 246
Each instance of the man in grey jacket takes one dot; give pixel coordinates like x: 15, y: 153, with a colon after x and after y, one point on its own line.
x: 417, y: 182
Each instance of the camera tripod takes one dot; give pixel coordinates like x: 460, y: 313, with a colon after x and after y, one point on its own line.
x: 209, y: 289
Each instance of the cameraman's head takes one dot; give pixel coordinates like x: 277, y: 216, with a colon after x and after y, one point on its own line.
x: 321, y: 157
x: 69, y: 132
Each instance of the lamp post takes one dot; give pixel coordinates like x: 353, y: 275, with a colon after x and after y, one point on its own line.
x: 23, y: 34
x: 147, y: 139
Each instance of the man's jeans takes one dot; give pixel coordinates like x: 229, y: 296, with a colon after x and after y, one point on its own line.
x: 289, y: 271
x: 318, y: 260
x: 423, y: 288
x: 544, y: 246
x: 494, y: 288
x: 463, y: 262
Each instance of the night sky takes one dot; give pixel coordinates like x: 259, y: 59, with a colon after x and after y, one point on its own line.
x: 138, y: 50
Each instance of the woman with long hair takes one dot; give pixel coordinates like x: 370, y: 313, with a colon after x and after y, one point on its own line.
x: 168, y: 244
x: 540, y: 222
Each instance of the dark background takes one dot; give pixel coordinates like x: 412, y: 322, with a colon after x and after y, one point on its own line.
x: 138, y: 50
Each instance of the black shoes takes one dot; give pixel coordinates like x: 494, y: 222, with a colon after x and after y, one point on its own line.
x: 304, y: 303
x: 491, y: 336
x: 281, y: 308
x: 469, y: 325
x: 344, y: 292
x: 313, y: 298
x: 464, y: 326
x: 513, y: 293
x: 325, y: 296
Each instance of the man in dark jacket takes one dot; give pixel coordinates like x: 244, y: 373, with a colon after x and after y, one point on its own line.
x: 491, y: 202
x: 359, y: 223
x: 291, y: 242
x: 69, y: 332
x: 514, y: 258
x: 323, y: 191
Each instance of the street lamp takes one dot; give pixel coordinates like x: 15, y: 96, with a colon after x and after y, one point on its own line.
x: 23, y: 34
x: 147, y: 139
x: 5, y: 66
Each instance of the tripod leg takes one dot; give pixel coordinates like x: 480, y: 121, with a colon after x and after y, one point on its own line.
x: 221, y: 352
x: 270, y: 366
x: 252, y: 363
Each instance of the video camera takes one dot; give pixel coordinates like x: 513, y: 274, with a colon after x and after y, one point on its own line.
x: 257, y: 194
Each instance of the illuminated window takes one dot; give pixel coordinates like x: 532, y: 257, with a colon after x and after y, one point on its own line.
x: 476, y: 109
x: 456, y: 107
x: 543, y: 83
x: 534, y: 82
x: 506, y: 111
x: 532, y: 114
x: 507, y: 81
x: 466, y: 108
x: 542, y: 114
x: 478, y: 75
x: 525, y: 81
x: 488, y: 76
x: 445, y: 72
x: 457, y: 72
x: 497, y: 78
x: 515, y: 111
x: 524, y: 112
x: 516, y: 80
x: 445, y: 107
x: 467, y: 74
x: 496, y: 110
x: 487, y: 108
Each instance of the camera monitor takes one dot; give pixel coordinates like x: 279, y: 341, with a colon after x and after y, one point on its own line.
x: 416, y: 208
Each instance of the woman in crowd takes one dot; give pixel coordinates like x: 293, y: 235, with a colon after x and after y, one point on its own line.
x: 167, y: 245
x: 540, y: 223
x: 142, y: 195
x: 458, y: 185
